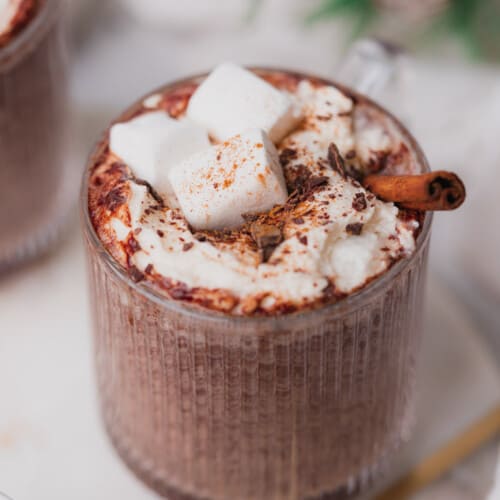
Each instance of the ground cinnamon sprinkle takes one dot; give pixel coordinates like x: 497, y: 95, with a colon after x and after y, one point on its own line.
x: 261, y: 233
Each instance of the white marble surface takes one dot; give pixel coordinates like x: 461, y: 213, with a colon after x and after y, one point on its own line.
x: 52, y: 446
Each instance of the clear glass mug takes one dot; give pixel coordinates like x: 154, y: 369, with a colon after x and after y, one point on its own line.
x: 306, y: 405
x: 36, y: 185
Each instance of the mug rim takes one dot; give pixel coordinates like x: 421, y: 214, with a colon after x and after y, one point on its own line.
x: 352, y: 302
x: 27, y: 39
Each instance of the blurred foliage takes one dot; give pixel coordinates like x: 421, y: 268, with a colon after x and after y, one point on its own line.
x: 475, y: 22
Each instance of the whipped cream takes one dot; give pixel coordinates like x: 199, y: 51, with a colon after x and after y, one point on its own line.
x: 336, y: 237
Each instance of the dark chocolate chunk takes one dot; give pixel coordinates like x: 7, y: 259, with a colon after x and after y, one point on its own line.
x: 315, y: 181
x: 359, y: 203
x: 286, y: 155
x: 133, y: 245
x: 355, y: 228
x: 135, y: 274
x: 336, y: 160
x: 266, y: 235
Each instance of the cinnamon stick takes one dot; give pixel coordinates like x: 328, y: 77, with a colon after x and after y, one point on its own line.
x: 439, y: 190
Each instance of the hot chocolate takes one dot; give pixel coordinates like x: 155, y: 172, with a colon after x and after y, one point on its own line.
x: 254, y: 342
x: 33, y: 176
x: 315, y: 236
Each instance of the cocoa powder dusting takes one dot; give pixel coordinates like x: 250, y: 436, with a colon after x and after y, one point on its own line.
x: 114, y: 198
x: 260, y: 234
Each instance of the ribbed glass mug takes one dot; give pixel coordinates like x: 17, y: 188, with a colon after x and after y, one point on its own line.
x: 36, y: 185
x: 203, y: 405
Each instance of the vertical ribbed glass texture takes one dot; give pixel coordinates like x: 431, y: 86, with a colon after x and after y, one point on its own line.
x: 226, y: 408
x: 301, y: 406
x: 35, y: 181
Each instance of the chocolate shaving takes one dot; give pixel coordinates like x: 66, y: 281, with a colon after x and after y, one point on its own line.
x: 200, y: 237
x: 303, y: 240
x: 359, y: 203
x: 187, y: 246
x: 148, y: 269
x: 133, y: 245
x: 267, y: 237
x: 160, y: 233
x: 316, y: 181
x: 266, y: 253
x: 336, y: 161
x: 135, y: 274
x: 355, y: 228
x: 154, y: 194
x: 297, y: 178
x: 287, y: 155
x: 298, y: 220
x: 250, y: 217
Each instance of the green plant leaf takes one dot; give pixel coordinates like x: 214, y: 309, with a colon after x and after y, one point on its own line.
x: 332, y: 8
x: 253, y: 10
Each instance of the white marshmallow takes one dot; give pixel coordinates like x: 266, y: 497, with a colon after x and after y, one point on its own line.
x: 242, y: 175
x: 152, y: 143
x: 232, y: 100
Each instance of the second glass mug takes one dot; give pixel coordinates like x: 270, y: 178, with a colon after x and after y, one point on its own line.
x: 37, y: 186
x: 306, y: 405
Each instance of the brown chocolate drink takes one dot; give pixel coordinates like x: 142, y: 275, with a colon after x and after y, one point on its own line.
x: 33, y: 90
x: 221, y: 394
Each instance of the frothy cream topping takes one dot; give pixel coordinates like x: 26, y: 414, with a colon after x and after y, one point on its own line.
x: 340, y: 237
